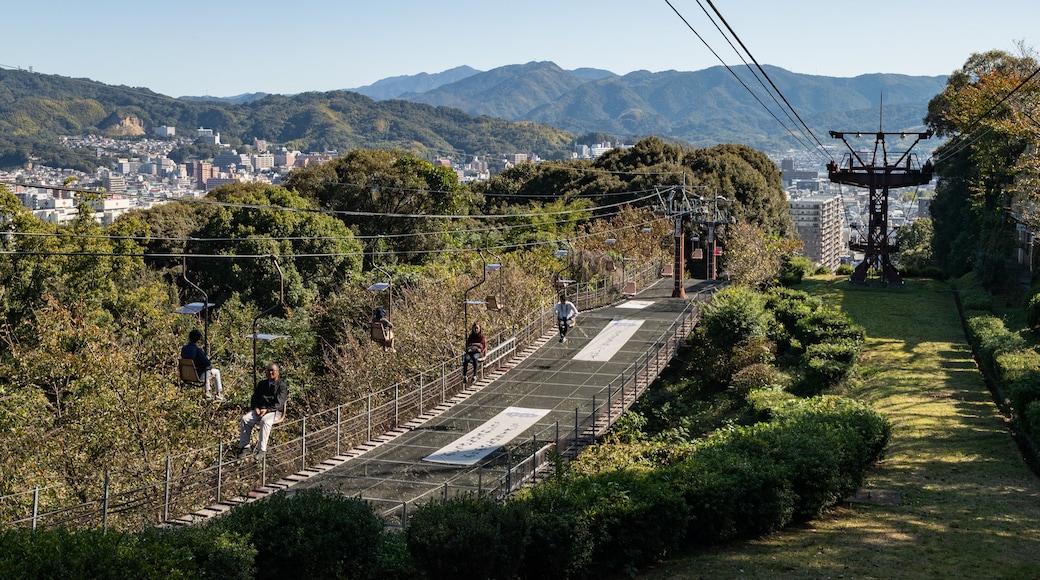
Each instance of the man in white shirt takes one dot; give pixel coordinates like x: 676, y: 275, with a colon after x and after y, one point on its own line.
x: 565, y: 313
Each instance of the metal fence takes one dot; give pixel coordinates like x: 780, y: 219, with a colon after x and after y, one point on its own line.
x: 211, y: 475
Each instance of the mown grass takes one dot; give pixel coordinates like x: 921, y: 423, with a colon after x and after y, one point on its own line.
x: 970, y: 507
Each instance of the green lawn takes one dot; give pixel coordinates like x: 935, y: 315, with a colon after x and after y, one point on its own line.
x: 970, y: 507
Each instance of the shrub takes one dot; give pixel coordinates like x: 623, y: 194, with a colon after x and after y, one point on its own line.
x: 755, y: 376
x: 636, y: 517
x: 1033, y: 311
x: 308, y: 534
x: 732, y: 496
x: 734, y: 315
x: 989, y: 336
x: 827, y: 324
x: 467, y: 537
x: 819, y: 375
x: 1031, y: 418
x: 393, y: 560
x: 560, y: 542
x: 976, y: 299
x: 153, y: 553
x: 845, y: 270
x: 794, y: 269
x: 821, y: 271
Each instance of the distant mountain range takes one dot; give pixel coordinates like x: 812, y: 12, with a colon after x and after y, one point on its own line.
x: 703, y: 108
x: 536, y: 108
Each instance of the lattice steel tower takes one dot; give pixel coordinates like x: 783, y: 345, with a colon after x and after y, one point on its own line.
x: 879, y: 176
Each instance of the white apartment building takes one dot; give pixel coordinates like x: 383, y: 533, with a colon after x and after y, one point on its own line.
x: 820, y: 221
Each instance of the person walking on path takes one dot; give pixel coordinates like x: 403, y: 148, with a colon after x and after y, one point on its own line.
x: 566, y: 316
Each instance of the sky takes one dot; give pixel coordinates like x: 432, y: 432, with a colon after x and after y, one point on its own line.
x: 230, y: 47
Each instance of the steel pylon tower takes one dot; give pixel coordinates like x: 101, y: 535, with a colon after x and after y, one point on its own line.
x: 878, y: 175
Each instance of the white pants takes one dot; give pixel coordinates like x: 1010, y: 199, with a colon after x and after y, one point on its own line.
x: 213, y: 375
x: 249, y: 420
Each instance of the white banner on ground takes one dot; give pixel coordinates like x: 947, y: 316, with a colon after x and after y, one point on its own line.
x: 637, y: 304
x: 609, y: 340
x: 482, y: 441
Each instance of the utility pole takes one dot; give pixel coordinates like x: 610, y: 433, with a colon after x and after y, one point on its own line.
x: 879, y: 176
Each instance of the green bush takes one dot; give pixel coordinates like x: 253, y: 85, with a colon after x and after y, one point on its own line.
x: 732, y: 496
x: 794, y: 270
x: 988, y: 337
x: 1023, y: 390
x: 734, y: 315
x: 560, y: 543
x: 393, y: 560
x: 976, y: 299
x: 308, y: 534
x: 845, y: 270
x: 1033, y: 311
x: 636, y: 517
x: 818, y: 375
x: 1031, y: 419
x: 153, y: 553
x: 821, y: 271
x: 468, y: 537
x: 827, y: 324
x: 755, y: 376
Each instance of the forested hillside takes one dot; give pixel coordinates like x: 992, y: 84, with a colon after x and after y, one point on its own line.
x: 703, y: 108
x: 36, y: 109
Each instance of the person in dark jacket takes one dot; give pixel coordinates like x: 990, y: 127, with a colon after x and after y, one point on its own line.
x: 476, y: 345
x: 203, y: 367
x: 267, y: 406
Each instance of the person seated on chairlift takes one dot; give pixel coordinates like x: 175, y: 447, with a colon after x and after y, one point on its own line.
x: 476, y: 345
x: 380, y: 317
x: 203, y: 367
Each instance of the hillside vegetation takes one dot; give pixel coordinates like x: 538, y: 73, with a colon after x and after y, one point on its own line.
x: 35, y: 109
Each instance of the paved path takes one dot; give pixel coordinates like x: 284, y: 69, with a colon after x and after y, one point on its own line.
x: 546, y: 376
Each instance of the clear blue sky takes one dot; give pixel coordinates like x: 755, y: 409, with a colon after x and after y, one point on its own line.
x: 229, y: 47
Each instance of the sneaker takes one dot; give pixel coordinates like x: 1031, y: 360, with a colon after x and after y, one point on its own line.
x: 209, y: 395
x: 260, y: 456
x: 244, y: 452
x: 220, y: 396
x: 561, y: 339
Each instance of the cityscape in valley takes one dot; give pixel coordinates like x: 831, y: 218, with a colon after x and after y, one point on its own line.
x: 828, y: 215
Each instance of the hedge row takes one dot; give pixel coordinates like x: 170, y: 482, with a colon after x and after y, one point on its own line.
x: 740, y: 482
x: 1014, y: 367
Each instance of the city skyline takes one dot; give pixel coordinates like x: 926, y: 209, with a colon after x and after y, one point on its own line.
x: 231, y: 48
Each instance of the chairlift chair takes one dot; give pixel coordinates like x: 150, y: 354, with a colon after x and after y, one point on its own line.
x: 188, y: 373
x: 667, y: 271
x: 491, y: 300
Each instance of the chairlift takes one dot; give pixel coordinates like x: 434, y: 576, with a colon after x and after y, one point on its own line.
x: 186, y: 366
x: 491, y: 300
x: 256, y: 334
x: 466, y: 300
x: 383, y: 334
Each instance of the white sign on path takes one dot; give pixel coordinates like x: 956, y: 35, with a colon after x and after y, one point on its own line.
x: 609, y: 340
x: 637, y: 304
x: 482, y: 441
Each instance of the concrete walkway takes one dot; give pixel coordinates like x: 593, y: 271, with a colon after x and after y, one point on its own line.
x: 546, y: 376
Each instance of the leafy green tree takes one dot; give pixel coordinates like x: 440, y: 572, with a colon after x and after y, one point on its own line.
x: 915, y: 244
x: 366, y: 186
x: 316, y: 251
x: 977, y: 165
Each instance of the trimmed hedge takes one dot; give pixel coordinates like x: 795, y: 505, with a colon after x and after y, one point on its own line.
x: 467, y: 537
x: 153, y: 553
x: 308, y: 534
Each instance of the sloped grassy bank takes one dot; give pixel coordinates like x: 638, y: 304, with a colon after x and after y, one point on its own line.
x: 969, y: 506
